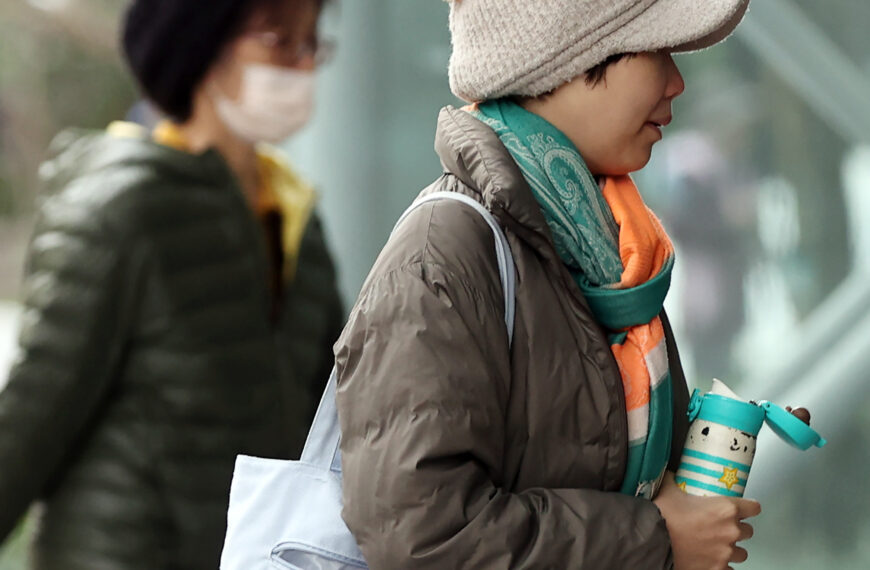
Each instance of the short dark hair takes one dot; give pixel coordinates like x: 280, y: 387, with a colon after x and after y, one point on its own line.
x: 171, y: 44
x: 596, y: 75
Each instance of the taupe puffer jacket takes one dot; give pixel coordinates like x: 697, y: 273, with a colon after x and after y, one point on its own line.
x: 459, y: 452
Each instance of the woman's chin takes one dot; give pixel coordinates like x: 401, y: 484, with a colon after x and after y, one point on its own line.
x: 625, y: 167
x: 639, y: 161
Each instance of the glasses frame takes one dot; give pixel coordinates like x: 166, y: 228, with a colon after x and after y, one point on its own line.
x: 321, y: 49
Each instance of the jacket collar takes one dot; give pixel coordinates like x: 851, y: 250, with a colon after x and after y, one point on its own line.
x: 76, y: 152
x: 473, y: 153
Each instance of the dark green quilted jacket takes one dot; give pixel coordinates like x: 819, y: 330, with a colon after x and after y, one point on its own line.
x: 148, y: 359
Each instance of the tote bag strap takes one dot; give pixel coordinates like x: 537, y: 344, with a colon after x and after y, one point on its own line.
x: 322, y: 446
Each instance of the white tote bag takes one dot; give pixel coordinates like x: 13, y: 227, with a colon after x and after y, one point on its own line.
x: 287, y: 514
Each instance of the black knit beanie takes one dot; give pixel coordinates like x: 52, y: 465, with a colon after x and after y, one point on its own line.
x: 171, y: 44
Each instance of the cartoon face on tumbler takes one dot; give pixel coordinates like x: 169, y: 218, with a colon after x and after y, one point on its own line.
x: 716, y: 459
x: 729, y: 443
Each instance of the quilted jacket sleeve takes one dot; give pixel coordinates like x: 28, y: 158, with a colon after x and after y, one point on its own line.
x: 78, y: 302
x: 422, y: 399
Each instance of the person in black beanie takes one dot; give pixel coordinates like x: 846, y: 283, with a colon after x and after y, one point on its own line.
x: 180, y: 302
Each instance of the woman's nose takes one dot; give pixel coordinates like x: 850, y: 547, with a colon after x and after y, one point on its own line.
x: 676, y: 85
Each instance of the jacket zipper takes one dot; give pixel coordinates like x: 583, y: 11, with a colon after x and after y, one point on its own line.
x: 560, y: 274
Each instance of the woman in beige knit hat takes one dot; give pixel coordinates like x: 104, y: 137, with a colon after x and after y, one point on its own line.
x: 461, y: 449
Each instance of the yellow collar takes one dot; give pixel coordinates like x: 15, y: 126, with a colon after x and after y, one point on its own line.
x: 282, y: 190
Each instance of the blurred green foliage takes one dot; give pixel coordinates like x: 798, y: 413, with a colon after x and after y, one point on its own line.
x: 59, y: 67
x: 13, y: 554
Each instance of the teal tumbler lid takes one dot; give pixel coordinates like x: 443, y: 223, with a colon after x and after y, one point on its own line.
x: 790, y: 428
x: 743, y: 416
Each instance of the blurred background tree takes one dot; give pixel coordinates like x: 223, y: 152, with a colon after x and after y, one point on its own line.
x: 59, y: 67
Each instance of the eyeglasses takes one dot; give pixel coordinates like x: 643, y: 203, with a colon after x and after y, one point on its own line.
x: 293, y: 52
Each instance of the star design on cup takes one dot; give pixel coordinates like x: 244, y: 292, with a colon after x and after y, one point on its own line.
x: 729, y: 477
x: 682, y: 486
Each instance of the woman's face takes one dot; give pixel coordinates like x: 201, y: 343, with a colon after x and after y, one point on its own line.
x: 615, y: 123
x: 283, y: 36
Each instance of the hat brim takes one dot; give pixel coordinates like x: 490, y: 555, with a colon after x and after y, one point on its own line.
x: 674, y: 25
x: 680, y: 25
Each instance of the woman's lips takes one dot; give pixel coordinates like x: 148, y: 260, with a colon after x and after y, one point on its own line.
x: 655, y: 127
x: 657, y: 124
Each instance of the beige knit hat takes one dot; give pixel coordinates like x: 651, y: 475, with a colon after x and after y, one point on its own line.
x: 530, y: 47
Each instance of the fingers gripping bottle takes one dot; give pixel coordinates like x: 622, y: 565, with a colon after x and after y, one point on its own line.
x: 720, y: 445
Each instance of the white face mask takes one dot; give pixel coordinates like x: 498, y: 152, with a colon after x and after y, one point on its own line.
x: 274, y: 103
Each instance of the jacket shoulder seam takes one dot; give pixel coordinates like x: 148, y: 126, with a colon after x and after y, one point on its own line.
x: 415, y: 269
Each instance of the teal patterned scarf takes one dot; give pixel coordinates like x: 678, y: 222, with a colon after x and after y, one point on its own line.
x: 588, y: 239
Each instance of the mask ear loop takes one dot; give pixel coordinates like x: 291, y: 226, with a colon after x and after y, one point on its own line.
x: 225, y: 108
x: 217, y: 95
